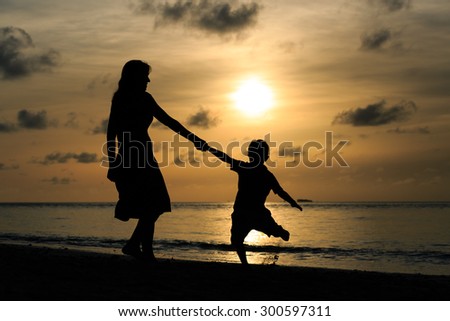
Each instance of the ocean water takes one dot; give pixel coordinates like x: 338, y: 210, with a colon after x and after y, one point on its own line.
x: 407, y: 237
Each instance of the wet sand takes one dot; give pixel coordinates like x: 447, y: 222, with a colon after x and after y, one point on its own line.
x: 39, y: 273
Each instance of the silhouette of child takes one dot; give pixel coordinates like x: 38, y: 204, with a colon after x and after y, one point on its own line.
x: 254, y: 185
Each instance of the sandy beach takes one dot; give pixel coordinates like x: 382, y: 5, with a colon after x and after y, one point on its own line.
x: 40, y: 273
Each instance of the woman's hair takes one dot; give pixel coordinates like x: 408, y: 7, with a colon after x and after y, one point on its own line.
x: 133, y: 72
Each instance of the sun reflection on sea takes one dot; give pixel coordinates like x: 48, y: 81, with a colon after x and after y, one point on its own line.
x: 255, y: 238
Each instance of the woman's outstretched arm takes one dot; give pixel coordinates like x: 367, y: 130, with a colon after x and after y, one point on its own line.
x: 222, y: 156
x: 175, y: 125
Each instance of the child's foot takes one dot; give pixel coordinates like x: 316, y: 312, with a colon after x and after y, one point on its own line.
x: 285, y: 235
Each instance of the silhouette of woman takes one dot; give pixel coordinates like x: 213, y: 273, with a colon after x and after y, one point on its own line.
x: 132, y: 165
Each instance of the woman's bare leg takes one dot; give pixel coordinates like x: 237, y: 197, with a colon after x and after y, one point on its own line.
x: 147, y: 232
x: 140, y: 244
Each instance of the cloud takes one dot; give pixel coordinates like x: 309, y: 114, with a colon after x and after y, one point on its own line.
x: 32, y: 120
x: 145, y: 7
x: 86, y: 158
x: 62, y: 158
x: 187, y: 158
x: 56, y: 158
x: 416, y: 130
x: 406, y: 181
x: 59, y: 181
x: 4, y: 167
x: 289, y: 151
x: 202, y: 119
x: 101, y: 128
x: 289, y: 47
x: 19, y: 56
x: 99, y: 81
x: 29, y: 120
x: 375, y: 40
x: 376, y: 114
x: 391, y: 5
x: 7, y: 127
x: 213, y: 16
x: 72, y: 121
x: 221, y: 18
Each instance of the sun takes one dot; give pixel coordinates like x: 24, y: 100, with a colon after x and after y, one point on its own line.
x: 253, y: 97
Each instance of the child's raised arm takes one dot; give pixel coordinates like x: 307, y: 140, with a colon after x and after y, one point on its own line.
x: 284, y: 195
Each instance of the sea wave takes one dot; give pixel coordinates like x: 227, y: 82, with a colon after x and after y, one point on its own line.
x: 440, y: 257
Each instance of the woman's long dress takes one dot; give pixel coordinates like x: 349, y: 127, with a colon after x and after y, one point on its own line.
x: 140, y: 184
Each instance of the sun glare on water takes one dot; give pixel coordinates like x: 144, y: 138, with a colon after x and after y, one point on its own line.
x: 253, y: 97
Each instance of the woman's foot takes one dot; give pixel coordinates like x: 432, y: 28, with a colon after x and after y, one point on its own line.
x: 133, y: 251
x: 149, y: 257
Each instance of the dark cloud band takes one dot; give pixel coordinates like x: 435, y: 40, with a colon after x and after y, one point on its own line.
x: 62, y: 158
x: 376, y: 114
x: 391, y: 5
x: 218, y: 17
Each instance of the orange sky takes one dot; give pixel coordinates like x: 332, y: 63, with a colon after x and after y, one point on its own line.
x: 375, y: 73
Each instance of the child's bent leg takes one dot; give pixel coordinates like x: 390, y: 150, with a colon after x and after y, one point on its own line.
x: 270, y: 227
x: 279, y: 231
x: 285, y: 235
